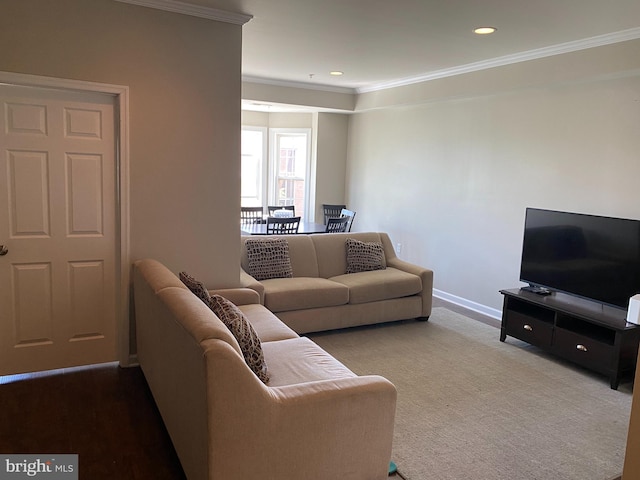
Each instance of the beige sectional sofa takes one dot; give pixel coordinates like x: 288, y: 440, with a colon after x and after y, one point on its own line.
x: 313, y: 420
x: 320, y: 295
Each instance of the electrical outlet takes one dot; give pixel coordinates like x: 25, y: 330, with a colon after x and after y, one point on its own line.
x: 398, y: 248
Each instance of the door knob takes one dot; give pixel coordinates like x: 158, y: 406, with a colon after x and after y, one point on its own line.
x: 3, y: 250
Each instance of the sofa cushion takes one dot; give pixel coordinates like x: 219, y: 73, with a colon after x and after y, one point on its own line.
x: 379, y: 285
x: 331, y: 250
x: 364, y: 256
x: 283, y: 294
x: 268, y: 327
x: 299, y: 360
x: 268, y: 258
x: 244, y: 333
x: 196, y: 286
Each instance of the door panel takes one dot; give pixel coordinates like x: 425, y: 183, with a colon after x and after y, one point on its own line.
x: 58, y: 221
x: 28, y: 193
x: 32, y: 319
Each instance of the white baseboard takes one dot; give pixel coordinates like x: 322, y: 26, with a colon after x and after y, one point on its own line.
x: 463, y: 302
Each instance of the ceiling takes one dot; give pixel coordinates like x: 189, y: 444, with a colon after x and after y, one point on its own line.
x: 380, y: 43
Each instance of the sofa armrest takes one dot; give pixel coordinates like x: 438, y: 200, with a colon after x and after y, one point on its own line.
x: 247, y: 281
x: 325, y: 429
x: 350, y: 419
x: 426, y: 276
x: 238, y: 296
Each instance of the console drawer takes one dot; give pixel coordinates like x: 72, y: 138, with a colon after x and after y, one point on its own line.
x: 529, y: 329
x: 583, y: 350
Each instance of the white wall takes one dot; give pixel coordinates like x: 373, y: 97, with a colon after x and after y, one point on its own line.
x: 448, y: 167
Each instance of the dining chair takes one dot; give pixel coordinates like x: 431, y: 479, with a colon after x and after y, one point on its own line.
x: 350, y: 214
x: 273, y: 208
x: 251, y: 215
x: 331, y: 211
x: 282, y: 226
x: 335, y: 225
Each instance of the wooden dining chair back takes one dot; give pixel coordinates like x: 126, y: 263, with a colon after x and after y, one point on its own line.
x: 273, y: 208
x: 282, y: 226
x: 350, y: 214
x: 251, y: 215
x: 331, y: 211
x: 336, y: 225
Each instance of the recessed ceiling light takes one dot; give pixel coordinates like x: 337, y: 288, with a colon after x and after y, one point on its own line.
x: 484, y: 30
x: 336, y: 73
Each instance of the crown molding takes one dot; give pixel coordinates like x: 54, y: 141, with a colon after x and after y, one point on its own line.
x: 209, y: 13
x: 293, y: 84
x: 598, y: 41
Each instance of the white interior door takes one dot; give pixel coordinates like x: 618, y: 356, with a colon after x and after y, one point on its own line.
x: 58, y: 229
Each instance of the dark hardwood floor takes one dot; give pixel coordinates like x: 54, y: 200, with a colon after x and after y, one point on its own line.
x: 103, y: 413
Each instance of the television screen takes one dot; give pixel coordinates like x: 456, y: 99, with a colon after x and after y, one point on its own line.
x: 590, y: 256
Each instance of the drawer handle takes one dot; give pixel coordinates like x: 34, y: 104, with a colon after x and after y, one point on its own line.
x: 582, y: 348
x: 528, y: 328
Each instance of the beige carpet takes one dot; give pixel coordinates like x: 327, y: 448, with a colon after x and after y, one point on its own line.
x: 471, y: 407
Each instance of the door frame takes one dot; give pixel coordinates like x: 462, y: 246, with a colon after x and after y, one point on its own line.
x: 122, y: 247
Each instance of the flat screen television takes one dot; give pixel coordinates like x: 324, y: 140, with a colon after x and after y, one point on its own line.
x: 589, y: 256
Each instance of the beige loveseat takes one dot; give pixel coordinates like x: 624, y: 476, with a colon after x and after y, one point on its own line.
x: 322, y: 296
x: 313, y: 420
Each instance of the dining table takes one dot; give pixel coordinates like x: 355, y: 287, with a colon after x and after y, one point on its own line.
x: 305, y: 228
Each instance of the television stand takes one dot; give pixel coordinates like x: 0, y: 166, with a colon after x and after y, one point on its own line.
x: 574, y: 329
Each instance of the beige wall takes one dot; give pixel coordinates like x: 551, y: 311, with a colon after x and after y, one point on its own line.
x: 448, y: 167
x: 277, y: 119
x: 332, y: 140
x: 184, y: 78
x: 333, y: 98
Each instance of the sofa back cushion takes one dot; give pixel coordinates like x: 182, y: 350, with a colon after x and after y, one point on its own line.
x: 302, y: 254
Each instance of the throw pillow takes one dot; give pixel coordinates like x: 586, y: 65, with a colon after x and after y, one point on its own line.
x: 247, y: 338
x: 364, y: 256
x: 198, y: 288
x: 268, y: 258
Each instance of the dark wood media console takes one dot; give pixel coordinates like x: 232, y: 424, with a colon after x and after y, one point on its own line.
x: 598, y: 338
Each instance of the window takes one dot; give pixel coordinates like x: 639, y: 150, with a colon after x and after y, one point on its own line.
x: 289, y: 176
x: 253, y: 166
x: 286, y: 178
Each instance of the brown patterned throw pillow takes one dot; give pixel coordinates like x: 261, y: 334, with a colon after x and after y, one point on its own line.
x: 268, y: 258
x: 196, y: 287
x: 246, y: 336
x: 364, y: 256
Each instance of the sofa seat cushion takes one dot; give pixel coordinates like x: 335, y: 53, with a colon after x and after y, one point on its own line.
x: 299, y: 293
x: 268, y: 327
x: 299, y: 360
x: 378, y: 285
